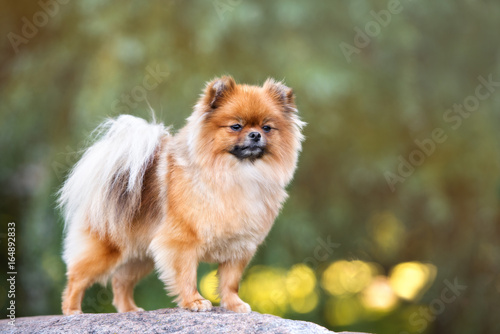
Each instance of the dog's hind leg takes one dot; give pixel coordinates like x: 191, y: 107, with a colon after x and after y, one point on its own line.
x: 124, y: 280
x: 94, y: 260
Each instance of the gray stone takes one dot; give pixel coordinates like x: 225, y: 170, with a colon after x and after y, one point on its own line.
x: 162, y: 321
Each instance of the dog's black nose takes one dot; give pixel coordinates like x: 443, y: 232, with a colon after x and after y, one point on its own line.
x: 255, y: 136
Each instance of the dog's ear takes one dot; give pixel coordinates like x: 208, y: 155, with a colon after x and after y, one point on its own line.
x: 216, y: 91
x: 281, y: 93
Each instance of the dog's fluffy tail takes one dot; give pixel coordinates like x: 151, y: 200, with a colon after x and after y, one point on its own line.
x: 103, y: 191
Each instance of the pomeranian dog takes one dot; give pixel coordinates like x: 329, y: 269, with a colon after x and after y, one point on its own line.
x: 141, y: 198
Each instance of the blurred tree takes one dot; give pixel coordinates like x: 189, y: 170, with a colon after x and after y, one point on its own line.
x: 367, y: 113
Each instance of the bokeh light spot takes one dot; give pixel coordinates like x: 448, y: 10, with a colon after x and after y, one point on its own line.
x: 347, y: 277
x: 343, y: 311
x: 304, y: 304
x: 300, y: 281
x: 379, y: 295
x: 265, y: 290
x: 208, y: 286
x: 410, y: 279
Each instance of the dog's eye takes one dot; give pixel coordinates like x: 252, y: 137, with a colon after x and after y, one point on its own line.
x: 266, y: 128
x: 236, y: 127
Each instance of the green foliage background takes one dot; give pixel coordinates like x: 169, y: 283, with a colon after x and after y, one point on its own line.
x: 363, y: 116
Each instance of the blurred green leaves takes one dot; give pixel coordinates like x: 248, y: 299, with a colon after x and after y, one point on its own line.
x: 361, y: 117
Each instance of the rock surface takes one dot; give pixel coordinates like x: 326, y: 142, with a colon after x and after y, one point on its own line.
x: 162, y: 321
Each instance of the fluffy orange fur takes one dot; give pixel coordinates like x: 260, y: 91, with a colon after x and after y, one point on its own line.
x: 201, y: 200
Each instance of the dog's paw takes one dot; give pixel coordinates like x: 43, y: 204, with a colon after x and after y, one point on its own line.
x: 239, y: 307
x: 131, y: 309
x: 123, y: 306
x: 199, y: 305
x: 72, y: 312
